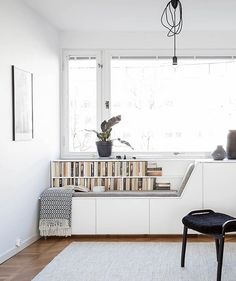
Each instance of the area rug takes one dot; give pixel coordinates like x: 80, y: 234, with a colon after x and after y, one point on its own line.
x: 134, y: 261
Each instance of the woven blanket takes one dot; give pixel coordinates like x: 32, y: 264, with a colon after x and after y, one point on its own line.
x: 55, y: 212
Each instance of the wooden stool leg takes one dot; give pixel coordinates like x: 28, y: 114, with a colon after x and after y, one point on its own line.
x: 220, y: 258
x: 185, y: 234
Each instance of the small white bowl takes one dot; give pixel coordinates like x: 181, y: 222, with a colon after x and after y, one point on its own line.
x: 99, y: 188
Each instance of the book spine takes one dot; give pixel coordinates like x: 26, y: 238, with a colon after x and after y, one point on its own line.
x: 106, y: 169
x: 56, y: 169
x: 96, y: 169
x: 131, y: 169
x: 56, y: 182
x: 140, y: 184
x: 112, y: 184
x: 82, y: 169
x: 109, y: 173
x: 134, y: 168
x: 113, y: 169
x: 106, y: 184
x: 91, y: 169
x: 124, y: 168
x: 127, y: 185
x: 61, y: 165
x: 99, y: 169
x: 76, y: 169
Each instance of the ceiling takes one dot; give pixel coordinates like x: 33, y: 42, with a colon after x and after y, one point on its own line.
x: 133, y: 15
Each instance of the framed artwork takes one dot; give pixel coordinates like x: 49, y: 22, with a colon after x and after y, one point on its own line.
x: 22, y: 100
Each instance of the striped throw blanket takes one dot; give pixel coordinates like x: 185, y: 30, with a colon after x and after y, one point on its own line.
x: 55, y: 212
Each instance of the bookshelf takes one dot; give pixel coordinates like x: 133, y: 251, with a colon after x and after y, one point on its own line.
x: 116, y: 175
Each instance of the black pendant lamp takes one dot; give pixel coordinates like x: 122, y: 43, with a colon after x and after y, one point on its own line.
x: 172, y: 19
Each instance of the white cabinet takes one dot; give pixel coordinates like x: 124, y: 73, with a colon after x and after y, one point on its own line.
x: 166, y: 213
x: 83, y: 216
x: 122, y: 216
x: 211, y: 185
x: 219, y: 184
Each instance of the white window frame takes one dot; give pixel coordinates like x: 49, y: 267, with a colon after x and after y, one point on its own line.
x: 103, y: 95
x: 65, y: 153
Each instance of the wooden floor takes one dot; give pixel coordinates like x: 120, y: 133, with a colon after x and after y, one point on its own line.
x: 29, y: 262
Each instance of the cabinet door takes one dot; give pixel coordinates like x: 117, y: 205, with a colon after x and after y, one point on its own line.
x: 166, y: 213
x: 83, y: 216
x: 122, y: 216
x: 220, y: 187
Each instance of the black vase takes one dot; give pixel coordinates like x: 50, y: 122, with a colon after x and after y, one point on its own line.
x: 104, y: 148
x: 231, y: 144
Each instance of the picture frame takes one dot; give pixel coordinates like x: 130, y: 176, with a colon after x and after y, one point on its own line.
x: 22, y: 104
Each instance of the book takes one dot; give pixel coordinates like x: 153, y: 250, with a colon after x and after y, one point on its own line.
x: 91, y: 169
x: 112, y: 184
x: 150, y: 184
x: 140, y: 184
x: 127, y: 184
x: 82, y: 169
x: 96, y: 169
x: 56, y: 172
x: 56, y: 182
x: 80, y: 188
x: 124, y: 169
x: 109, y: 169
x: 143, y: 168
x: 157, y: 171
x: 106, y: 169
x: 131, y: 169
x: 162, y: 186
x: 76, y: 169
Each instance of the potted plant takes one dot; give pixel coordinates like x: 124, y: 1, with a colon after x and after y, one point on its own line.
x: 104, y: 145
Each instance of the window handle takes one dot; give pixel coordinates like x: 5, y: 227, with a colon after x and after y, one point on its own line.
x: 107, y: 104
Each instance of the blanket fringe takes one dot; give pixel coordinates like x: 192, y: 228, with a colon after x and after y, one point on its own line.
x: 55, y: 227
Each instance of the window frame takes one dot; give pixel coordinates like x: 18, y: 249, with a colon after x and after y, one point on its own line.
x: 64, y: 100
x: 104, y: 57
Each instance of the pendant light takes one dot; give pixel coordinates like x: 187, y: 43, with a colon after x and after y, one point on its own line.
x: 172, y: 19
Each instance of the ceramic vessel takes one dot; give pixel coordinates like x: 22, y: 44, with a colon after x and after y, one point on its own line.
x: 104, y: 148
x: 231, y: 144
x: 219, y: 153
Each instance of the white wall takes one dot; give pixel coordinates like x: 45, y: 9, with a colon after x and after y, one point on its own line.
x: 195, y: 42
x: 27, y: 42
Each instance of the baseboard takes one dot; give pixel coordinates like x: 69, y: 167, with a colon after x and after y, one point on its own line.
x: 10, y: 253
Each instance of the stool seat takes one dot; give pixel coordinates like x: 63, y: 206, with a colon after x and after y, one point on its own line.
x: 208, y: 223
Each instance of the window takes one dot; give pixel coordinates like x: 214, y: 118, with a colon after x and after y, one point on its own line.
x: 82, y: 102
x: 189, y: 108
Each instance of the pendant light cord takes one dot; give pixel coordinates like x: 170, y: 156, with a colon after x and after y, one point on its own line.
x: 173, y: 24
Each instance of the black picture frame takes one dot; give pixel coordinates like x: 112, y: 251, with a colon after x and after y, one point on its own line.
x: 22, y: 104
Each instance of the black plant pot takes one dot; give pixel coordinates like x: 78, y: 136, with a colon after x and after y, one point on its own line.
x: 104, y: 148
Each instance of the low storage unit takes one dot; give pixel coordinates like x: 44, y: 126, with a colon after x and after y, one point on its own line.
x: 211, y: 184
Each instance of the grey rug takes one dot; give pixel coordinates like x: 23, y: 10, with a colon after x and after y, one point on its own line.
x: 138, y: 261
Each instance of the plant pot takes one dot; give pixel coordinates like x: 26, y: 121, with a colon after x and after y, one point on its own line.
x: 231, y: 144
x: 104, y: 148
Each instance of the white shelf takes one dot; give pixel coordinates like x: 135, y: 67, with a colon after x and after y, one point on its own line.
x: 121, y: 182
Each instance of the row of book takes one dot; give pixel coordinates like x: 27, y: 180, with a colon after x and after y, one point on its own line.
x: 98, y: 168
x: 153, y: 169
x: 115, y: 184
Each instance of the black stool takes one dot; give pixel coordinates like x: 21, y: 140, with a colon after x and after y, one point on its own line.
x: 210, y: 223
